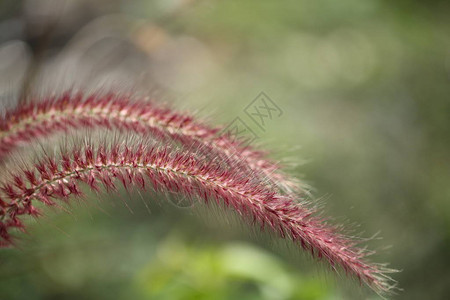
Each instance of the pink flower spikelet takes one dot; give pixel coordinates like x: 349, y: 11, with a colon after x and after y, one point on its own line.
x: 169, y: 169
x: 39, y: 119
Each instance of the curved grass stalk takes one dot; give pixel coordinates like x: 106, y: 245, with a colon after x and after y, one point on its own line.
x: 166, y: 169
x: 41, y: 119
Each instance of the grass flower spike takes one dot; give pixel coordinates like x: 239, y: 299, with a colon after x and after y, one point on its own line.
x: 167, y: 169
x: 174, y: 154
x: 43, y: 118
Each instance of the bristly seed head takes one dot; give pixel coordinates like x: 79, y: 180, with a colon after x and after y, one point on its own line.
x: 39, y: 119
x: 169, y: 169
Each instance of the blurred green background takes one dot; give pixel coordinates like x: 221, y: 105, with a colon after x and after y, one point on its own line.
x: 364, y: 89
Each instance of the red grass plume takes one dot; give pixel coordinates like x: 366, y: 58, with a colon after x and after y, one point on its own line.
x: 40, y: 119
x: 166, y: 169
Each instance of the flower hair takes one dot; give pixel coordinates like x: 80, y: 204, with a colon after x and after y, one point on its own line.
x: 165, y: 168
